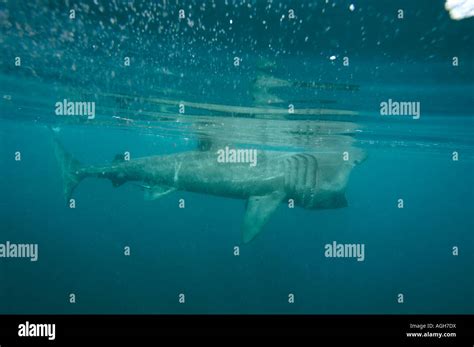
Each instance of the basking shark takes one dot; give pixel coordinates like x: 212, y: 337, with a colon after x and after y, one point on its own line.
x: 312, y: 180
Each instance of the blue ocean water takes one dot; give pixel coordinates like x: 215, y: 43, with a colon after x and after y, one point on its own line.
x: 190, y: 61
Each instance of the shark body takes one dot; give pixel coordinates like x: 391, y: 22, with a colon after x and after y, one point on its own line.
x: 311, y: 180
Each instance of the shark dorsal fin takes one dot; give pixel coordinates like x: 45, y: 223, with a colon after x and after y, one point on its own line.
x: 119, y: 158
x: 205, y: 143
x: 259, y: 210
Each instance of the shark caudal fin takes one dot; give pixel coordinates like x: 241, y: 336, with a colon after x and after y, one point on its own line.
x: 70, y: 169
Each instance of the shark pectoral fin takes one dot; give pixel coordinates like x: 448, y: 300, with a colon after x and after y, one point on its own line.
x: 156, y: 192
x: 259, y: 210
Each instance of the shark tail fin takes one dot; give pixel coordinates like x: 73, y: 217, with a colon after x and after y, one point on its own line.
x: 71, y: 169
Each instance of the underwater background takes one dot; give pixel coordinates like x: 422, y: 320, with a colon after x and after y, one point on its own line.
x: 190, y: 60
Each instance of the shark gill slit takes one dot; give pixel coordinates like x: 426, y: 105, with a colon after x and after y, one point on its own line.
x: 311, y: 182
x: 301, y: 177
x: 290, y: 172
